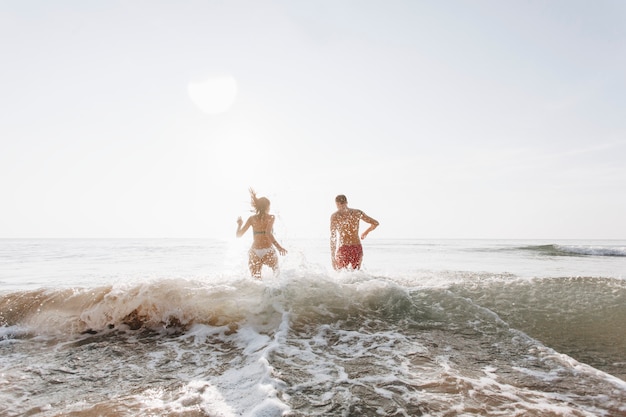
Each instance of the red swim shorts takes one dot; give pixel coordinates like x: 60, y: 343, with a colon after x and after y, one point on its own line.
x: 349, y: 255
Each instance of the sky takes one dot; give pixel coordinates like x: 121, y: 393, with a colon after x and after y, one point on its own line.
x: 440, y: 119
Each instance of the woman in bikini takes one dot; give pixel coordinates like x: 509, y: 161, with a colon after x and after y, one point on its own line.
x: 262, y: 251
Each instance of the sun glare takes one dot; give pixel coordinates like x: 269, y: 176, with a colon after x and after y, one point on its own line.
x: 215, y: 94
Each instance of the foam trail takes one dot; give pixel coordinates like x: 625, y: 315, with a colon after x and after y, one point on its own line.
x: 463, y: 334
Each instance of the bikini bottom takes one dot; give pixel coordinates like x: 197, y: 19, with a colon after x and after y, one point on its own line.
x: 261, y: 252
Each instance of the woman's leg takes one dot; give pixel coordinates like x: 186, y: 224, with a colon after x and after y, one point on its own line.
x: 270, y: 259
x: 255, y: 264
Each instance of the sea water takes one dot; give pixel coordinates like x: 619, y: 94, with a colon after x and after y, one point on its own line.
x: 427, y: 328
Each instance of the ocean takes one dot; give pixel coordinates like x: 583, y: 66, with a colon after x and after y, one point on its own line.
x: 177, y: 327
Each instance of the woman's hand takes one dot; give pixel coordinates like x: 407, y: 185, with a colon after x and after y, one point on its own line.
x: 240, y: 231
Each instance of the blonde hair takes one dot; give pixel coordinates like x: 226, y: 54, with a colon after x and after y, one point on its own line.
x: 261, y: 204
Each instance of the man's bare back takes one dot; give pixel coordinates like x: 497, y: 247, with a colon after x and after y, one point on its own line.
x: 346, y: 224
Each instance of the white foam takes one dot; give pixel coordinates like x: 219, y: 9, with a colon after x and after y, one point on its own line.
x: 248, y: 385
x: 593, y: 250
x: 548, y: 376
x: 252, y: 320
x: 192, y: 396
x: 8, y: 333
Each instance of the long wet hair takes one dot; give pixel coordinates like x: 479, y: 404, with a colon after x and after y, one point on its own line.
x: 260, y: 204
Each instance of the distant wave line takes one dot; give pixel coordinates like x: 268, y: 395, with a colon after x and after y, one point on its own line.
x: 576, y: 250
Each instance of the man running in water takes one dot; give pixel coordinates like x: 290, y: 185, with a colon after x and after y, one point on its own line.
x: 344, y: 226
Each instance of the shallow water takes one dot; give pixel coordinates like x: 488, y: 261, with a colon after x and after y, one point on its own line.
x: 440, y: 328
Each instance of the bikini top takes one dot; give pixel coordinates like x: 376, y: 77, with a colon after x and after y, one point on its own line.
x: 258, y: 232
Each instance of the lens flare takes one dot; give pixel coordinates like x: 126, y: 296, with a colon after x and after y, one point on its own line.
x: 215, y: 94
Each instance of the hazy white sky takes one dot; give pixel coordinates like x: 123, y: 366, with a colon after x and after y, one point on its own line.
x: 441, y: 119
